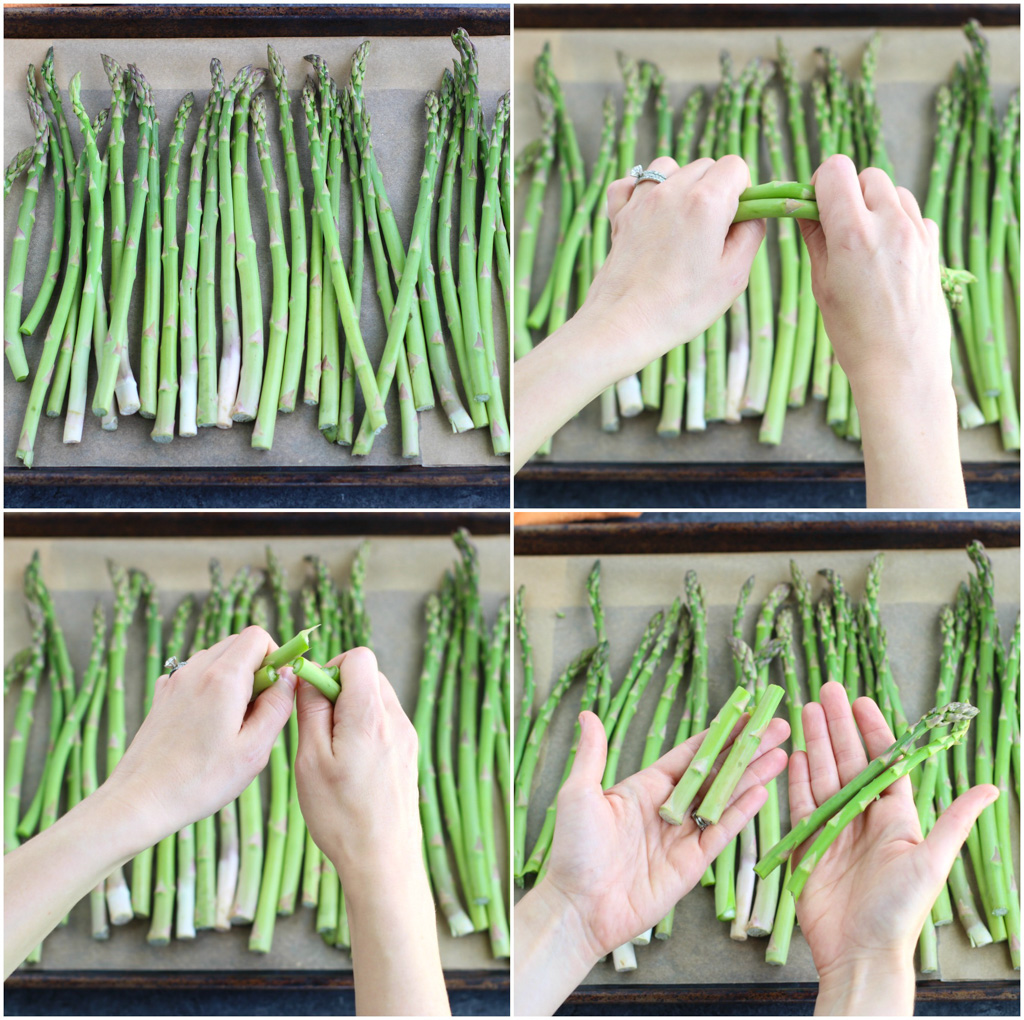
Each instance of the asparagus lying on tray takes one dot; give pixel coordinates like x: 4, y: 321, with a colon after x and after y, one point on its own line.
x: 257, y: 370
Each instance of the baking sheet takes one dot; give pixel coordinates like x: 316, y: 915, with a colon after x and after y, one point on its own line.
x: 911, y: 65
x: 401, y: 572
x: 400, y: 71
x: 915, y: 584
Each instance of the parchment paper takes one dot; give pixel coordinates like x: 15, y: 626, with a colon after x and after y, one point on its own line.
x: 915, y: 585
x: 401, y: 572
x: 911, y: 65
x: 400, y: 72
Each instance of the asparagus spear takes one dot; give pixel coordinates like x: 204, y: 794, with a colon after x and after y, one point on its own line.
x: 187, y: 297
x: 297, y: 226
x: 246, y: 400
x: 271, y: 393
x: 117, y: 335
x: 866, y: 793
x: 167, y: 390
x: 19, y: 250
x: 63, y: 181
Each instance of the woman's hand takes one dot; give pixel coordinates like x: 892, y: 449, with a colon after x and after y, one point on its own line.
x: 875, y: 274
x: 617, y: 867
x: 864, y: 905
x: 200, y: 745
x: 356, y: 771
x: 203, y: 742
x: 677, y: 262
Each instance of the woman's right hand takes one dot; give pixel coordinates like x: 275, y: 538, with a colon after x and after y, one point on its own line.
x: 875, y: 272
x: 356, y: 773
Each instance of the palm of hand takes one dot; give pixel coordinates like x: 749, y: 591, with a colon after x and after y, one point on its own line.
x: 878, y: 853
x: 619, y: 862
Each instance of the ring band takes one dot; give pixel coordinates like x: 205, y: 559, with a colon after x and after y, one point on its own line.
x: 651, y: 175
x: 172, y: 664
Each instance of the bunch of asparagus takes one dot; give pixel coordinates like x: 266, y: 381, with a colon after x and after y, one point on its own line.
x: 464, y: 663
x: 771, y: 348
x: 182, y: 381
x: 248, y: 865
x: 841, y: 640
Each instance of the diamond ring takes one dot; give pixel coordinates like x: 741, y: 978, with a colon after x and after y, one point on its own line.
x: 173, y: 663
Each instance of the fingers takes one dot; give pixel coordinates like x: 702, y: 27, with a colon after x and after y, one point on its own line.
x: 316, y: 722
x: 664, y: 165
x: 269, y: 712
x: 619, y: 193
x: 240, y: 656
x: 953, y: 825
x: 743, y: 240
x: 878, y: 738
x: 591, y: 754
x: 838, y: 192
x: 821, y: 761
x: 801, y: 796
x: 878, y: 190
x: 846, y: 746
x: 730, y: 174
x: 359, y: 678
x: 814, y: 238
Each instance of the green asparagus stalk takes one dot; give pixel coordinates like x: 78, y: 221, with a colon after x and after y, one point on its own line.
x: 117, y: 335
x: 676, y: 807
x: 167, y: 390
x: 63, y: 181
x: 19, y: 250
x: 270, y: 394
x: 864, y: 796
x: 298, y: 279
x: 187, y: 297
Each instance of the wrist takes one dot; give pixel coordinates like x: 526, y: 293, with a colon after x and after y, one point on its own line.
x: 866, y: 983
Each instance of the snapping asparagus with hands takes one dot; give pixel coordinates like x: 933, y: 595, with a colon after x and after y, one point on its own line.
x: 358, y: 786
x: 200, y: 745
x: 678, y: 260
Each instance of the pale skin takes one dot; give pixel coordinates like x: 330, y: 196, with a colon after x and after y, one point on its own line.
x: 200, y: 746
x: 616, y: 867
x: 677, y: 238
x: 865, y: 963
x: 357, y: 780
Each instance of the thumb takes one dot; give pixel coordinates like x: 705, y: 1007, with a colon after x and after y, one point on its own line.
x: 591, y: 754
x: 814, y: 238
x: 953, y: 825
x: 742, y: 241
x: 269, y: 712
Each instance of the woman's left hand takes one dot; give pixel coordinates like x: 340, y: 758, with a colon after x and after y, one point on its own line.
x: 202, y: 742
